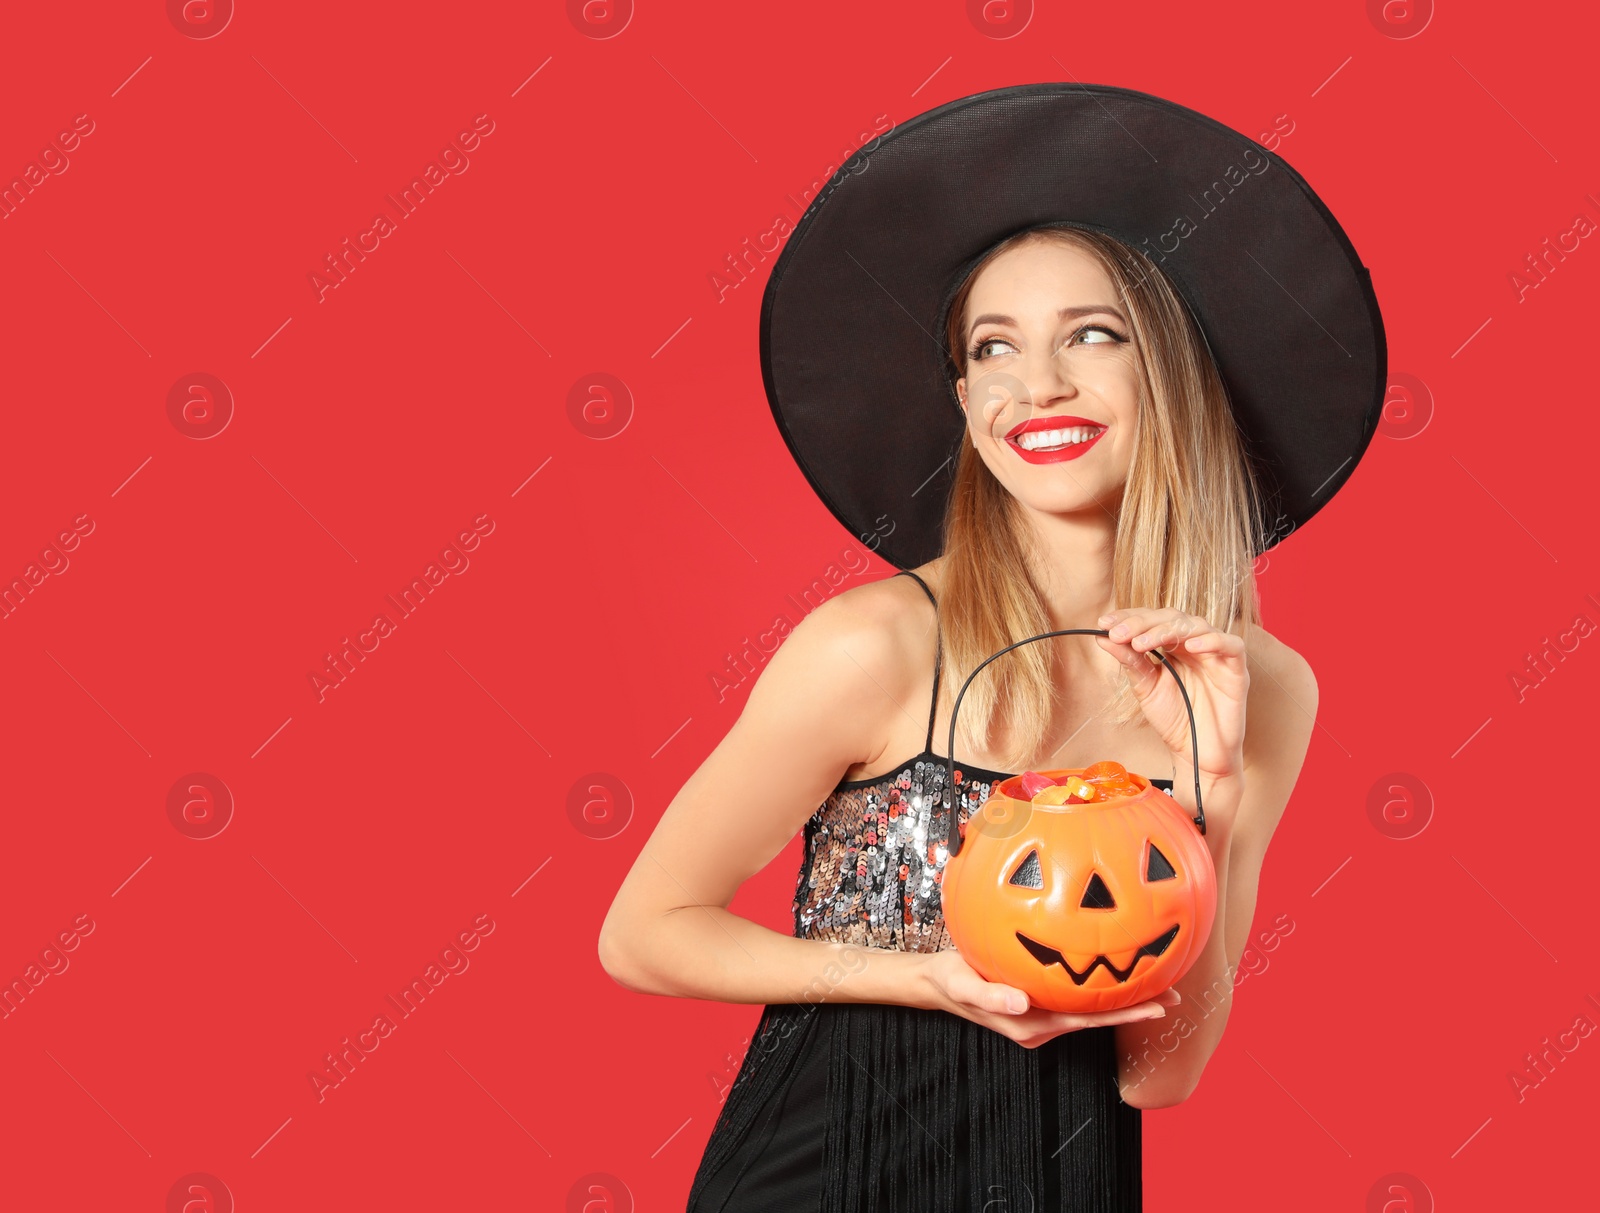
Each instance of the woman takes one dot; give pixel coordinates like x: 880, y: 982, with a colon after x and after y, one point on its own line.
x: 1102, y: 480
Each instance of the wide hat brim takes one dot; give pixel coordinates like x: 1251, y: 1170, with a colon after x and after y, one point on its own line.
x: 851, y: 349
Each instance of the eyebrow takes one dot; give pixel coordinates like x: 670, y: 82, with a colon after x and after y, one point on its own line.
x: 1066, y: 313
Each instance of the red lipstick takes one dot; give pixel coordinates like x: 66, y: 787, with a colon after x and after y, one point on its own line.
x: 1075, y: 450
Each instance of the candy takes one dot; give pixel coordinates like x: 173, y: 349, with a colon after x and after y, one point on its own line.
x: 1110, y: 791
x: 1106, y: 770
x: 1070, y: 790
x: 1102, y: 781
x: 1033, y: 783
x: 1058, y: 793
x: 1112, y: 780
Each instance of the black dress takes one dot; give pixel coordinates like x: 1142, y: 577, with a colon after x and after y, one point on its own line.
x: 877, y: 1108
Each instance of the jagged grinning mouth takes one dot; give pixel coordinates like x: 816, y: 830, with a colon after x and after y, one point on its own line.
x: 1046, y: 955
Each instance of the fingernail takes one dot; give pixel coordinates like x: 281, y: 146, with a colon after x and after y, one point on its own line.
x: 1016, y: 1004
x: 1119, y: 632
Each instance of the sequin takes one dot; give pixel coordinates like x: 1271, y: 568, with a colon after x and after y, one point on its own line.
x: 874, y: 860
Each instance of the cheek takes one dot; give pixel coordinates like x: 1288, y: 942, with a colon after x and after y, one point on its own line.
x: 1122, y: 401
x: 987, y: 415
x: 1117, y: 385
x: 1123, y: 449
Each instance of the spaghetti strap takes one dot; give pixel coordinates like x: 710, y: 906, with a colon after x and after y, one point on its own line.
x: 938, y: 657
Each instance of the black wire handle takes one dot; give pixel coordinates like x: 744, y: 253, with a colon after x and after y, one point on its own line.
x: 952, y: 831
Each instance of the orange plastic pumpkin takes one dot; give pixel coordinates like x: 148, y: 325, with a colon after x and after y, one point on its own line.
x: 1083, y: 906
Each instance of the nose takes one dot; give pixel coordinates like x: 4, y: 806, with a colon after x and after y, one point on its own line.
x: 1033, y: 384
x: 1044, y: 375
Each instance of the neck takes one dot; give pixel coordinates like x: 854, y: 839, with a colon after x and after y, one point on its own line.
x: 1074, y: 565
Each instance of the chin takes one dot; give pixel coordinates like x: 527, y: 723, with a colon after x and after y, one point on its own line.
x: 1079, y: 499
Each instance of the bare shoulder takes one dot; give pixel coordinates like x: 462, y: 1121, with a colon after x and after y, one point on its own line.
x: 1279, y: 720
x: 853, y: 660
x: 887, y: 620
x: 890, y: 602
x: 1278, y: 674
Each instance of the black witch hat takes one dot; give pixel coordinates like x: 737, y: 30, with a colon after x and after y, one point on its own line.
x: 852, y: 350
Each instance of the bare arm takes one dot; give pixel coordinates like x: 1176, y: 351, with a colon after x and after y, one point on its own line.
x: 827, y: 699
x: 1158, y: 1069
x: 820, y: 705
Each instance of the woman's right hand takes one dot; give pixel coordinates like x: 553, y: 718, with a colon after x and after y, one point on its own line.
x: 958, y: 988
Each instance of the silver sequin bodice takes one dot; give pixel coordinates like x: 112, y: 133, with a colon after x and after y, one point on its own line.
x: 875, y: 855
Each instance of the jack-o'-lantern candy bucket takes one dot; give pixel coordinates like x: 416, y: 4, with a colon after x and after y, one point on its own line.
x: 1088, y: 889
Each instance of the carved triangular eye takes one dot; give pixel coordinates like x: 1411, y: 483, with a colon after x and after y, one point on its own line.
x: 1028, y: 873
x: 1097, y: 896
x: 1160, y: 866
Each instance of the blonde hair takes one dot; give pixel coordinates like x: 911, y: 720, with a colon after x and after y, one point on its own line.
x: 1187, y: 530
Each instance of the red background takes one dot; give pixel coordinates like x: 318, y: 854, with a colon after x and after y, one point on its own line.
x: 373, y: 823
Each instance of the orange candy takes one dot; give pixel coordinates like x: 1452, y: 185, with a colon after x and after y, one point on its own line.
x: 1111, y: 779
x: 1105, y: 770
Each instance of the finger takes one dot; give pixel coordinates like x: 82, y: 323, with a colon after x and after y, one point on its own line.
x: 1003, y: 999
x: 1123, y: 624
x: 1168, y: 632
x: 1153, y: 1008
x: 1121, y: 650
x: 1222, y: 661
x: 1139, y: 1014
x: 1222, y: 671
x: 1140, y: 667
x: 1096, y: 1019
x: 1041, y: 1019
x: 1223, y: 643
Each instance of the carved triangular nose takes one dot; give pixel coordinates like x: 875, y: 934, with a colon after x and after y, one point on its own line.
x: 1097, y: 896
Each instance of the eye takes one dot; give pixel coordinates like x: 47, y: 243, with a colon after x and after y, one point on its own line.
x: 1160, y: 867
x: 1028, y: 874
x: 1097, y: 896
x: 976, y: 353
x: 1110, y: 335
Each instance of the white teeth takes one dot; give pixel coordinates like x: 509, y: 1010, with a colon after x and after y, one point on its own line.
x: 1034, y: 440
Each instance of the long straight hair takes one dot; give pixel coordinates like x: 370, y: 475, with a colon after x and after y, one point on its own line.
x: 1188, y: 527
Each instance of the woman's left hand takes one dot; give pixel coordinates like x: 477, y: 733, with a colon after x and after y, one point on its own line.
x: 1212, y: 664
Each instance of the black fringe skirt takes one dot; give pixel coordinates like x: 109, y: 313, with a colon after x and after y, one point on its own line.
x: 877, y: 1108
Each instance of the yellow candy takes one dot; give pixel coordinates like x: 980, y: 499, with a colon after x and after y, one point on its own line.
x: 1061, y: 792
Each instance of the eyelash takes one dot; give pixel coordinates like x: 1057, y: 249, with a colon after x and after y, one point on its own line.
x: 975, y: 356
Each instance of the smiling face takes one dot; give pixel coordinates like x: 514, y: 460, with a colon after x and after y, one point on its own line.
x: 1051, y: 389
